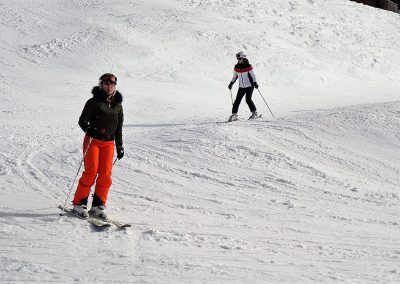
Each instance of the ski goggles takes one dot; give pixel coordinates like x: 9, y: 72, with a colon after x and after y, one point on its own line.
x: 109, y: 82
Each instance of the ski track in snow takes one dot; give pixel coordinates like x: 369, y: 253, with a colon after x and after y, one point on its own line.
x: 312, y: 196
x: 298, y: 205
x: 225, y: 192
x: 216, y: 199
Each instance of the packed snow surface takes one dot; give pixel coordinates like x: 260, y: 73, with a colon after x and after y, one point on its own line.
x: 310, y: 196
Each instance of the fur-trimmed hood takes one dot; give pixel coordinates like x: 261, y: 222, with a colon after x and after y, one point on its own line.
x: 102, y: 96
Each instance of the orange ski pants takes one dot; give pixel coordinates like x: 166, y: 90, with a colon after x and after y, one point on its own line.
x: 98, y: 165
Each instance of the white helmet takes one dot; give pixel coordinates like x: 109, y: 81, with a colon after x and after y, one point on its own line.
x: 241, y: 54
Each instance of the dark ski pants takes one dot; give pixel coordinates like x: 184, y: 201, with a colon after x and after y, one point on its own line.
x: 240, y: 94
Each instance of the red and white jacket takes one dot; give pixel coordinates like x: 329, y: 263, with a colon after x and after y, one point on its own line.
x: 244, y: 72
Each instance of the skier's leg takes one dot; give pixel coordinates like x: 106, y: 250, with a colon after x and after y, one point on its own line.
x: 89, y: 175
x: 249, y: 101
x: 103, y: 182
x: 240, y: 94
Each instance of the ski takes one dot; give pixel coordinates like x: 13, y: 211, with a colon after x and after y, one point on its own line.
x: 227, y: 121
x: 94, y: 221
x: 111, y: 221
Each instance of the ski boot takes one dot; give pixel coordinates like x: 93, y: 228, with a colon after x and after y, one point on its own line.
x: 81, y: 210
x: 254, y: 115
x: 233, y: 117
x: 99, y: 212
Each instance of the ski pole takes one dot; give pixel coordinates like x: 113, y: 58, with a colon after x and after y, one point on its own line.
x: 115, y: 161
x: 231, y: 96
x: 265, y: 102
x: 80, y: 165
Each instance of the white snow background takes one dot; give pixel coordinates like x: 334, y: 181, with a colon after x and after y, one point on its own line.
x: 309, y: 197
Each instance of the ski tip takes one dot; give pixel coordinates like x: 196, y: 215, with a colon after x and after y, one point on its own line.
x: 103, y: 226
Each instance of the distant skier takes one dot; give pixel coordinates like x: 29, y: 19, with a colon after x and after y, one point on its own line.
x: 247, y: 81
x: 101, y: 120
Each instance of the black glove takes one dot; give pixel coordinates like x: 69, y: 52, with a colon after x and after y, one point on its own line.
x: 230, y: 85
x: 256, y: 85
x: 120, y: 152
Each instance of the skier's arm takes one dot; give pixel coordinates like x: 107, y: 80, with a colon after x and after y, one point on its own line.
x: 118, y: 132
x: 253, y: 76
x: 253, y: 79
x: 86, y: 114
x: 234, y: 78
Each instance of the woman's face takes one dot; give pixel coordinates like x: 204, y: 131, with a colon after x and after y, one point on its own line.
x: 108, y: 87
x: 240, y: 60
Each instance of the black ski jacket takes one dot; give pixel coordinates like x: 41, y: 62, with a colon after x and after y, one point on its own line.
x: 101, y: 119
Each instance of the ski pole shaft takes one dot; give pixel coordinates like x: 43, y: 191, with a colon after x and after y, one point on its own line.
x: 115, y: 161
x: 80, y: 166
x: 266, y: 103
x: 231, y: 96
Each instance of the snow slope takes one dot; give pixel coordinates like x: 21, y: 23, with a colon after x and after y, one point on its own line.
x: 312, y: 196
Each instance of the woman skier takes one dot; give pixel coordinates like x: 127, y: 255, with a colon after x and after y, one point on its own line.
x: 101, y: 120
x: 247, y: 81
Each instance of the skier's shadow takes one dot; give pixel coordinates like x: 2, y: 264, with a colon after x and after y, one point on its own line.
x: 43, y: 216
x: 25, y: 214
